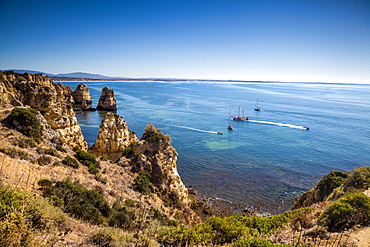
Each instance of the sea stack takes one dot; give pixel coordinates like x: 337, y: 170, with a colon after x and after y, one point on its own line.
x: 114, y: 136
x: 107, y: 101
x: 82, y: 96
x: 155, y: 154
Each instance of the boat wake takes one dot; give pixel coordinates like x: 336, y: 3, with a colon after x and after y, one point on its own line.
x: 279, y: 124
x: 189, y: 128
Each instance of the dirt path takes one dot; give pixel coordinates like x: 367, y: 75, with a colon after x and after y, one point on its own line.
x: 360, y: 237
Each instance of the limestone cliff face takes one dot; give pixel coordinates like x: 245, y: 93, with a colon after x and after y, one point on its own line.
x: 159, y: 158
x: 107, y: 101
x: 114, y: 136
x: 52, y: 100
x: 82, y: 96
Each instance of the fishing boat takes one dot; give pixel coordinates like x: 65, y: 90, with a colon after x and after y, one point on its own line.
x: 239, y: 118
x: 256, y: 107
x: 220, y: 133
x: 230, y: 126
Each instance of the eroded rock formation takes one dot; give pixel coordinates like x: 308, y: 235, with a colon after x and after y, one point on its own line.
x: 82, y: 96
x: 107, y: 101
x: 114, y: 136
x: 52, y: 100
x: 155, y: 154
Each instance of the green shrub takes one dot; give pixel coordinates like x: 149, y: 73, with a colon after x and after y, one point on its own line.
x: 129, y: 149
x: 155, y: 137
x: 329, y: 182
x: 93, y: 170
x: 123, y: 218
x: 23, y: 216
x: 25, y: 143
x: 256, y: 243
x: 44, y: 160
x: 130, y: 203
x: 16, y: 153
x: 69, y: 161
x: 351, y: 209
x: 60, y: 148
x: 105, y: 158
x: 152, y: 134
x: 79, y: 202
x: 58, y: 163
x: 88, y: 160
x: 49, y: 151
x: 142, y: 182
x: 358, y: 180
x: 27, y: 118
x: 113, y: 237
x: 223, y: 230
x: 9, y: 201
x: 85, y: 156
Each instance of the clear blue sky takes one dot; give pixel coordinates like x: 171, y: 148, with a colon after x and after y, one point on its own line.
x: 284, y: 40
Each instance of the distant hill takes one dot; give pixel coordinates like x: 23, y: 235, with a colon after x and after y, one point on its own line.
x: 22, y: 71
x: 72, y: 75
x: 86, y: 75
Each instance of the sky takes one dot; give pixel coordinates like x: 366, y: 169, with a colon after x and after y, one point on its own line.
x: 265, y: 40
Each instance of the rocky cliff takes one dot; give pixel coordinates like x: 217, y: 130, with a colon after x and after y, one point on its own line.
x: 107, y: 101
x: 322, y: 190
x: 152, y: 153
x: 82, y: 96
x: 155, y: 154
x: 114, y: 136
x: 53, y: 101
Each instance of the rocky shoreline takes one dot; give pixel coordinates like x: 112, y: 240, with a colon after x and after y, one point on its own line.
x: 223, y: 208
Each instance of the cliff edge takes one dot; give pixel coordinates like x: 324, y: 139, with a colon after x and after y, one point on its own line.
x: 53, y: 101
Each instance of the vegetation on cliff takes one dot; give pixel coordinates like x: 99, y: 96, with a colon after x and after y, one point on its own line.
x: 26, y: 121
x: 352, y: 209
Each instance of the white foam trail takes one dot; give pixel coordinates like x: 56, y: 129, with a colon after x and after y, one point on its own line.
x: 278, y: 124
x: 184, y: 127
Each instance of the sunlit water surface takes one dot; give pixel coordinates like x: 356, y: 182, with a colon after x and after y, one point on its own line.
x: 268, y: 160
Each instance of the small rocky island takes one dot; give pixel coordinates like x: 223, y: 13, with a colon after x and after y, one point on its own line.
x: 126, y: 191
x: 107, y: 101
x: 82, y: 97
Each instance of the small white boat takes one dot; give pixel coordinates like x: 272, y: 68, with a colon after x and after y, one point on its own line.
x: 256, y: 108
x: 230, y: 126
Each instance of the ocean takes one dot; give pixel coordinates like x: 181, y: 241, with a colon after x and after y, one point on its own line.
x: 266, y: 161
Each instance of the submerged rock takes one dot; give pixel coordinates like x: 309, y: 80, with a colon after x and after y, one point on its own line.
x: 107, y: 101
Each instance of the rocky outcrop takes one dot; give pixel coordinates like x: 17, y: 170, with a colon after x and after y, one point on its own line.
x: 155, y: 154
x: 82, y: 96
x: 107, y: 101
x: 52, y: 100
x: 322, y: 189
x: 114, y: 136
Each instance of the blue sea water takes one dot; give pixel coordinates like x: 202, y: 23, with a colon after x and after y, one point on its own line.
x: 268, y: 160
